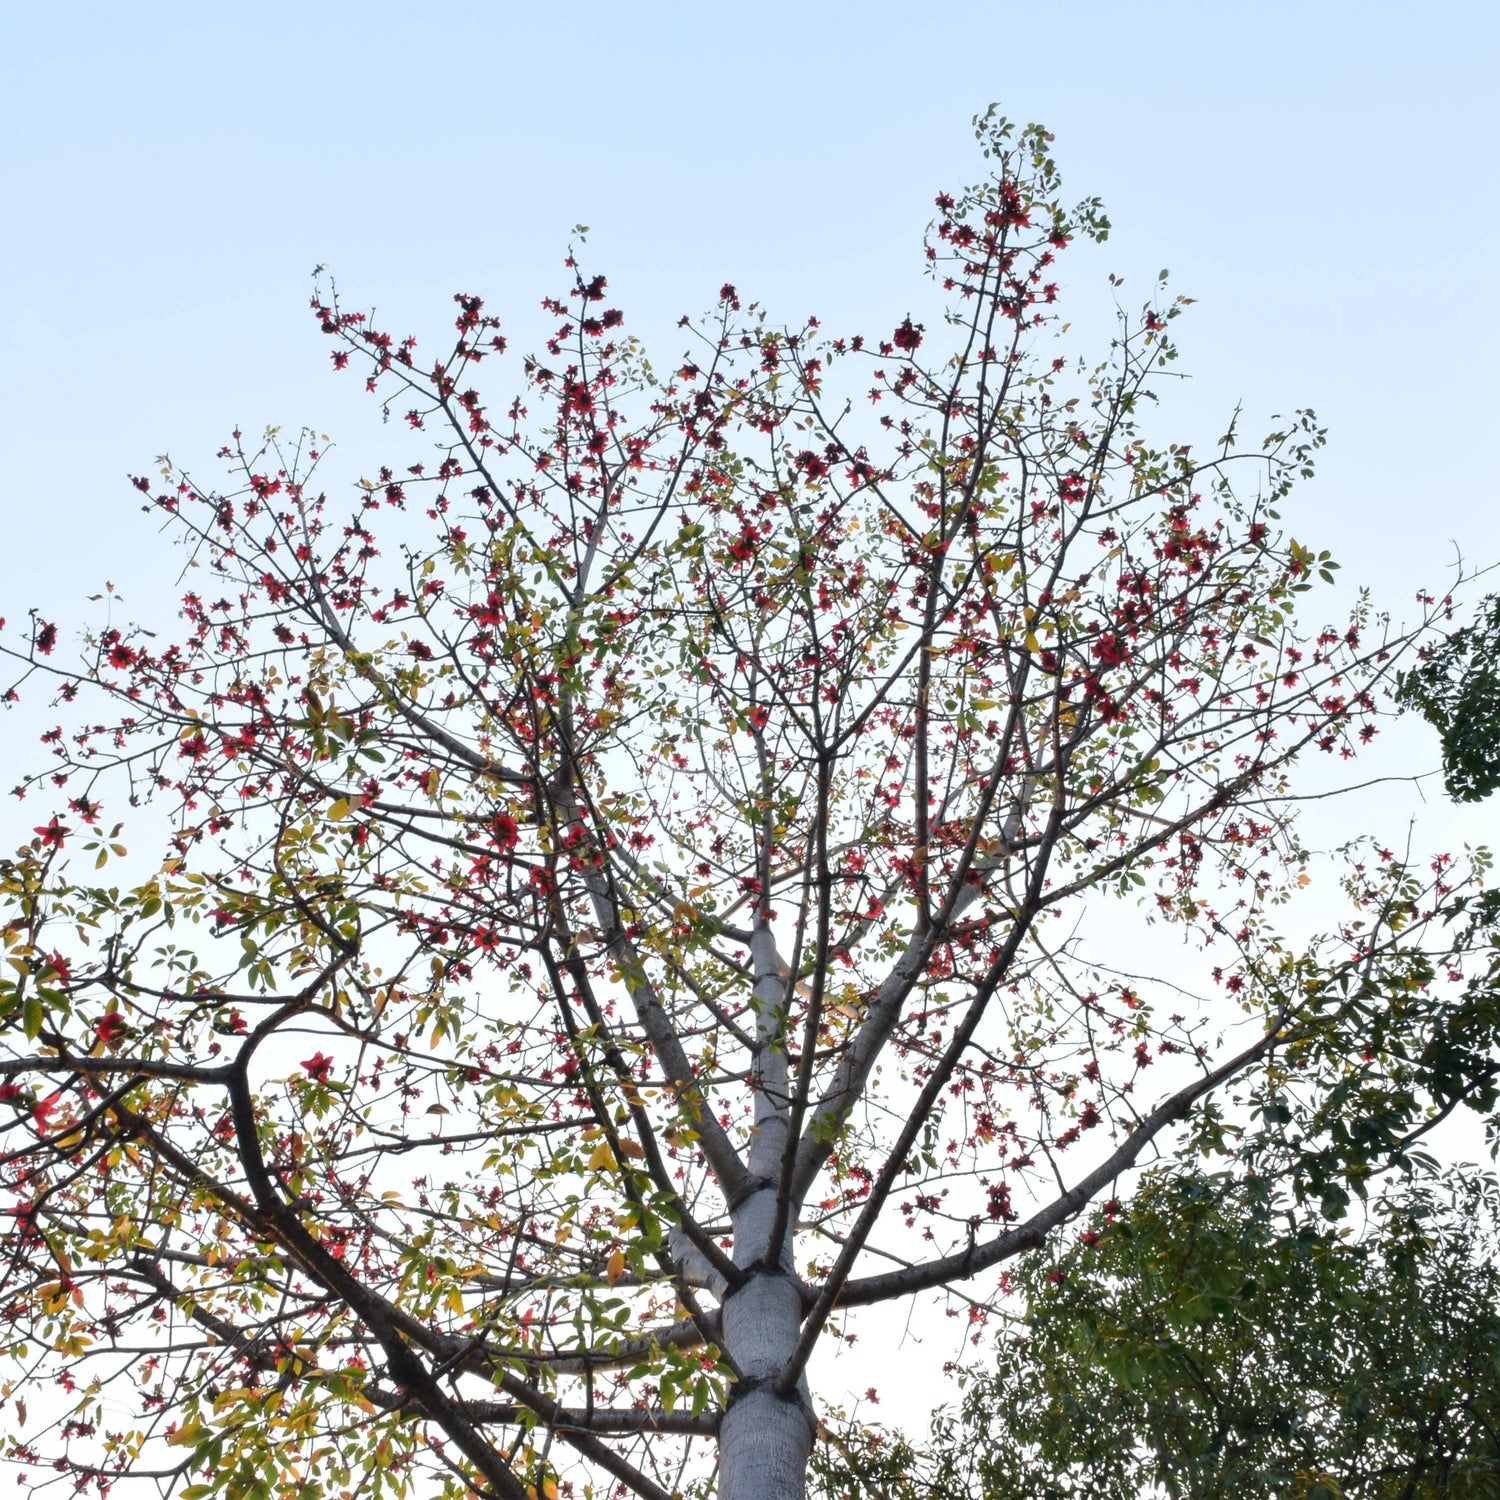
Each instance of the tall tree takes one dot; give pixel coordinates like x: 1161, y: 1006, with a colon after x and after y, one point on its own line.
x: 636, y: 909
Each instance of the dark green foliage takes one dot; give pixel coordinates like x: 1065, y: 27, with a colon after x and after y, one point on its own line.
x: 1457, y: 689
x: 1210, y: 1344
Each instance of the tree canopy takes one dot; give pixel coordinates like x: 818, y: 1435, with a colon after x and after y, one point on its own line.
x: 1455, y: 688
x: 1207, y: 1342
x: 660, y: 865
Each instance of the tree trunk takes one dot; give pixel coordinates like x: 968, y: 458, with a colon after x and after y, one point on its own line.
x: 765, y: 1438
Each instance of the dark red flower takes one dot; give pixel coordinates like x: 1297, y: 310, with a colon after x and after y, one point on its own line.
x: 88, y: 811
x: 1111, y: 650
x: 318, y: 1067
x: 907, y: 336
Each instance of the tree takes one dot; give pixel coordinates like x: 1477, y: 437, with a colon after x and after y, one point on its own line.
x: 661, y: 859
x: 1455, y: 688
x: 1209, y: 1342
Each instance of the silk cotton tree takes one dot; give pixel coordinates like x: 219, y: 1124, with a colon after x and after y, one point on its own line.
x: 626, y: 884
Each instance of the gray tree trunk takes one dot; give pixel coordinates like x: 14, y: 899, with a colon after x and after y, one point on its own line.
x: 765, y: 1438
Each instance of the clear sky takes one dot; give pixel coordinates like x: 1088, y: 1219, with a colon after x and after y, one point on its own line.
x: 1319, y: 175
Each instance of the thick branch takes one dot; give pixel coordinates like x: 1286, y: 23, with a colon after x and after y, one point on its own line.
x: 1027, y: 1236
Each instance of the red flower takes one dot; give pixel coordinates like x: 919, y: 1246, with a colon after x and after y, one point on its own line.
x: 88, y: 811
x: 45, y: 638
x: 9, y: 1092
x: 53, y: 833
x: 907, y: 336
x: 111, y: 1027
x: 120, y: 655
x: 43, y: 1110
x: 503, y: 830
x: 1111, y: 650
x: 59, y: 966
x: 318, y: 1067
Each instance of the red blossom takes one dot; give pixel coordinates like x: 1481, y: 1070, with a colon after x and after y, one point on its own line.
x: 53, y: 833
x: 318, y: 1067
x: 111, y: 1027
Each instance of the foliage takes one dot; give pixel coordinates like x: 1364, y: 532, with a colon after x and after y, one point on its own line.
x: 664, y: 888
x: 1207, y: 1343
x: 1456, y: 688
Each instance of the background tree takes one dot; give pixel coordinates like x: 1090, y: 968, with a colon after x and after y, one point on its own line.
x: 1455, y: 688
x: 1207, y: 1342
x: 659, y: 895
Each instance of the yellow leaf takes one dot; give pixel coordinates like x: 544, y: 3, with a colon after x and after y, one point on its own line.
x: 602, y: 1159
x: 339, y: 810
x: 616, y: 1267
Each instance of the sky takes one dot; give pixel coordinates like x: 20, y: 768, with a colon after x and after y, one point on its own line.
x: 1318, y: 175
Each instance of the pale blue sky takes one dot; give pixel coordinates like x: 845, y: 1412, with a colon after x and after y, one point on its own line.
x: 1319, y: 175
